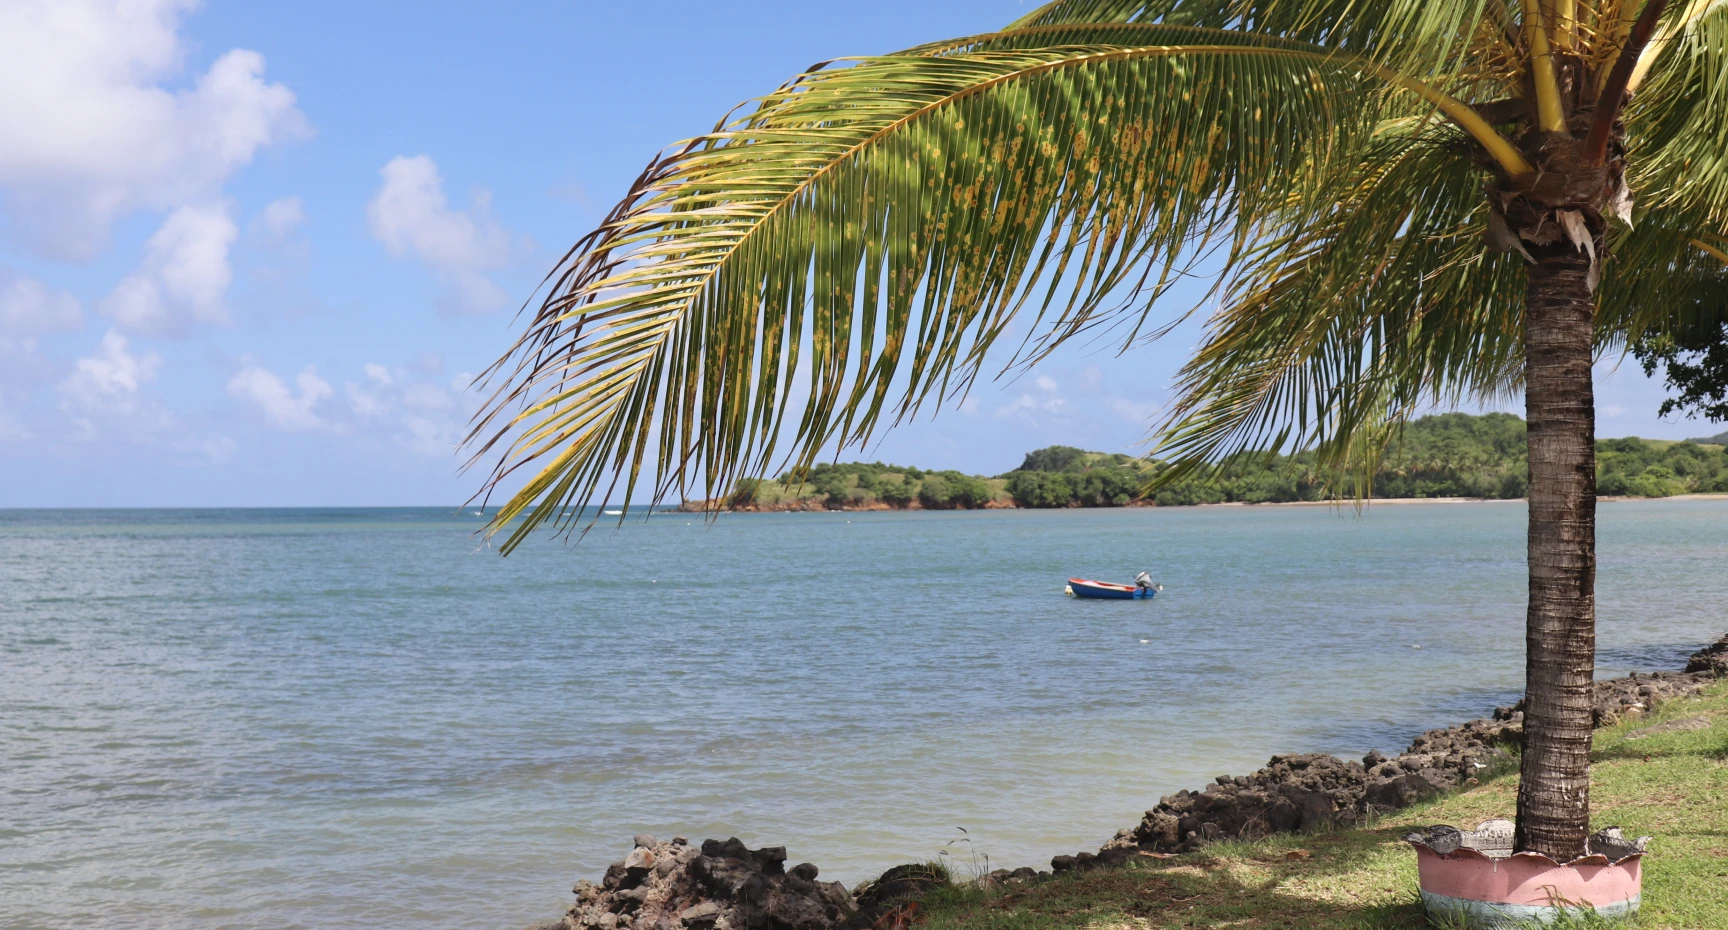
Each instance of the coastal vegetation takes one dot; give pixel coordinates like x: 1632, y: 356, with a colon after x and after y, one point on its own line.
x: 1441, y: 456
x: 1403, y: 201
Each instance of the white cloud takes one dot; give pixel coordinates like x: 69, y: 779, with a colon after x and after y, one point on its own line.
x: 412, y: 218
x: 378, y: 373
x: 109, y: 380
x: 280, y: 404
x: 432, y: 437
x: 426, y: 396
x: 29, y: 306
x: 1048, y: 402
x: 1030, y: 403
x: 88, y: 132
x: 280, y: 220
x: 183, y: 278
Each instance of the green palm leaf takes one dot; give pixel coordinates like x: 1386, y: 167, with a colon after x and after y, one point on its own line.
x: 1331, y: 334
x: 880, y: 223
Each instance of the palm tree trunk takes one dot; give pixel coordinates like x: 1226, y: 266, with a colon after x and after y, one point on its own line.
x: 1560, y: 632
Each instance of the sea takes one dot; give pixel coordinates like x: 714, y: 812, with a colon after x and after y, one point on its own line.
x: 353, y: 718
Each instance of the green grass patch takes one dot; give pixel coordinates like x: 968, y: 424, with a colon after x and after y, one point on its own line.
x: 1665, y: 776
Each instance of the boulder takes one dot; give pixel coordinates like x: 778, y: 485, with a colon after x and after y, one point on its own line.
x: 1712, y: 660
x: 723, y: 885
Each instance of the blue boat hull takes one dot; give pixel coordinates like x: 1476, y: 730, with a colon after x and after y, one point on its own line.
x: 1080, y: 587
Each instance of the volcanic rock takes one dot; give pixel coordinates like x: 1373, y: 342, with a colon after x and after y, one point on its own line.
x: 722, y: 886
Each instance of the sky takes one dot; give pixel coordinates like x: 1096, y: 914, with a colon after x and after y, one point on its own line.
x: 253, y: 254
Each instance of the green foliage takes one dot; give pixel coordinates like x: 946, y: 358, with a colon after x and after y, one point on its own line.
x: 1636, y: 468
x: 1053, y: 458
x: 1458, y: 455
x: 1446, y: 455
x: 951, y: 490
x: 1039, y: 488
x: 1063, y: 476
x: 864, y: 484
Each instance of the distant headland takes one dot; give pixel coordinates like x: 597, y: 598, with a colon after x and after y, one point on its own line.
x: 1453, y: 455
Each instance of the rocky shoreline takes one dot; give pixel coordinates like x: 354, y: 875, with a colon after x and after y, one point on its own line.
x: 723, y: 885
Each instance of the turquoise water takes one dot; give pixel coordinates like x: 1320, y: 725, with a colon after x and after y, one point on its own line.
x: 347, y: 718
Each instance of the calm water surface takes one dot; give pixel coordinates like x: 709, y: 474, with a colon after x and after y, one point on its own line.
x: 353, y: 718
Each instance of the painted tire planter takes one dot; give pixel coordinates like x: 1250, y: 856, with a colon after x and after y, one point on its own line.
x: 1473, y: 876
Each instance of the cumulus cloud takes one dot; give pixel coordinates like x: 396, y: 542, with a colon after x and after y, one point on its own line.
x: 109, y: 380
x: 1047, y: 400
x: 280, y: 220
x: 412, y: 218
x: 281, y: 405
x: 411, y: 408
x: 27, y: 307
x: 88, y: 132
x: 183, y: 278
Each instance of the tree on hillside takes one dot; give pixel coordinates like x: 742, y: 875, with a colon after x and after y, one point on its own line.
x: 1410, y: 201
x: 1052, y: 458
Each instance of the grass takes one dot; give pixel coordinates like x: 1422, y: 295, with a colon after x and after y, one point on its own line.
x: 1665, y: 776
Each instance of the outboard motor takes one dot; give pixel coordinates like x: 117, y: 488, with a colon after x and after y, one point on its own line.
x: 1144, y: 580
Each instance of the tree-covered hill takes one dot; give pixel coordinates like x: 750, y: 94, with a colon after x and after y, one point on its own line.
x: 1447, y: 455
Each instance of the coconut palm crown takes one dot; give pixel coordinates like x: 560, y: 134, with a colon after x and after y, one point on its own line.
x: 1401, y: 202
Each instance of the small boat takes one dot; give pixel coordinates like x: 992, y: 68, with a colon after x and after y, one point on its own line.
x: 1085, y: 587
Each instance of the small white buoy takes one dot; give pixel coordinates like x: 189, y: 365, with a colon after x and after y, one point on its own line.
x: 1144, y: 642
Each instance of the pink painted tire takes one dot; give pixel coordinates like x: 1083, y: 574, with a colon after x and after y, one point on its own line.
x: 1474, y: 876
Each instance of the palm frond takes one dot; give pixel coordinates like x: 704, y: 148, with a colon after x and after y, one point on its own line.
x: 892, y: 215
x: 1333, y: 333
x: 1419, y: 38
x: 1677, y: 125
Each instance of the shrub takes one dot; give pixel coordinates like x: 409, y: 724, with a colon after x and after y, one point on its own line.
x: 897, y: 493
x: 1105, y: 487
x: 949, y: 490
x: 1039, y: 489
x: 1054, y: 458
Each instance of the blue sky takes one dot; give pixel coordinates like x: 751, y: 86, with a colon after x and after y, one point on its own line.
x: 251, y: 253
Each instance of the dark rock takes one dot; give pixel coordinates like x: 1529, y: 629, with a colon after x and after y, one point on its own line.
x: 804, y: 870
x: 723, y: 886
x: 875, y: 899
x: 1711, y: 660
x: 901, y: 882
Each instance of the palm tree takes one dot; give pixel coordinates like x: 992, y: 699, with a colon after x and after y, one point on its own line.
x: 1402, y: 202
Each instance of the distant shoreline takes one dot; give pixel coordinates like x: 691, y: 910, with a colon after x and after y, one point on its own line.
x: 814, y: 505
